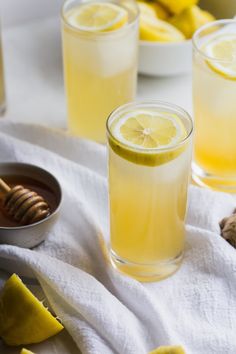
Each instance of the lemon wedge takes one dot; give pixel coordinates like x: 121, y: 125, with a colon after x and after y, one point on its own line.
x: 26, y: 351
x: 177, y: 6
x: 140, y: 133
x: 154, y: 29
x: 98, y: 16
x: 146, y: 9
x: 23, y: 318
x: 223, y: 49
x: 173, y: 349
x: 153, y: 10
x: 190, y: 20
x: 161, y: 11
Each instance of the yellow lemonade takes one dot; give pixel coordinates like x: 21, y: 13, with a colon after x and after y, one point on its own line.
x: 148, y: 188
x: 214, y: 93
x: 215, y: 112
x: 100, y: 64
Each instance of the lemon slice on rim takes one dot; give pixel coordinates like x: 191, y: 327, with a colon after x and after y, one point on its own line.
x: 141, y: 133
x: 149, y: 130
x: 23, y: 318
x: 98, y: 16
x: 223, y: 49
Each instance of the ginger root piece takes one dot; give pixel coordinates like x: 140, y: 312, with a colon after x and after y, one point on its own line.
x: 228, y: 229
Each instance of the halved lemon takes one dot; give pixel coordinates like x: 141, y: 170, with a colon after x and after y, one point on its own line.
x: 177, y: 6
x: 190, y: 19
x: 161, y: 12
x: 98, y: 16
x: 23, y: 318
x: 146, y: 9
x: 173, y: 349
x: 152, y: 9
x: 26, y: 351
x: 154, y: 29
x: 140, y: 133
x: 223, y: 49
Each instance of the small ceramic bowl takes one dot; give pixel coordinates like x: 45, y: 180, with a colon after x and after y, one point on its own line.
x: 165, y: 59
x: 29, y: 236
x: 168, y: 59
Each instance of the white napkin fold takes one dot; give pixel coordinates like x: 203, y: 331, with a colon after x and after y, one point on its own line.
x: 104, y: 311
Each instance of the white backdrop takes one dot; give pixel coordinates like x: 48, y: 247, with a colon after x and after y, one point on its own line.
x: 14, y: 12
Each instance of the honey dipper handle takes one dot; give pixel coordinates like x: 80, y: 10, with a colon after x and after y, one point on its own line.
x: 4, y: 188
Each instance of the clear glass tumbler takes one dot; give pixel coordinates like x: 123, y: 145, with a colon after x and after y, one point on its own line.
x: 100, y: 69
x: 214, y: 95
x: 149, y: 166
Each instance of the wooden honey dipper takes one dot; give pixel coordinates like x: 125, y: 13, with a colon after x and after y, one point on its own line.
x: 23, y: 205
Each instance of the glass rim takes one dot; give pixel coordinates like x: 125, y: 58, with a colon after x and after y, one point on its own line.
x: 94, y: 33
x: 158, y: 103
x: 202, y: 29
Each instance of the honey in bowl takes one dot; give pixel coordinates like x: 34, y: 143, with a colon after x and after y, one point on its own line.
x: 29, y: 183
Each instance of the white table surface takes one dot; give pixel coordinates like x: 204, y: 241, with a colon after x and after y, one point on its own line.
x: 35, y: 94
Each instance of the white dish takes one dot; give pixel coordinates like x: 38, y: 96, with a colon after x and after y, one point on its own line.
x: 169, y: 59
x: 165, y: 59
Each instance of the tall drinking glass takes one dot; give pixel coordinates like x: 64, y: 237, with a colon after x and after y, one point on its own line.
x: 100, y: 66
x: 149, y: 164
x: 214, y: 97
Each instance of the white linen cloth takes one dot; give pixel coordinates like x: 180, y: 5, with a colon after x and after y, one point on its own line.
x: 106, y: 312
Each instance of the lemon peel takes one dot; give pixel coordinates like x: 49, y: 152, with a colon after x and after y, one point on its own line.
x: 23, y: 318
x: 173, y: 349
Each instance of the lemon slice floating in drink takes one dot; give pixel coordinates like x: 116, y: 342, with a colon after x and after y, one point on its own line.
x: 23, y: 318
x: 146, y: 137
x: 223, y: 48
x: 98, y: 17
